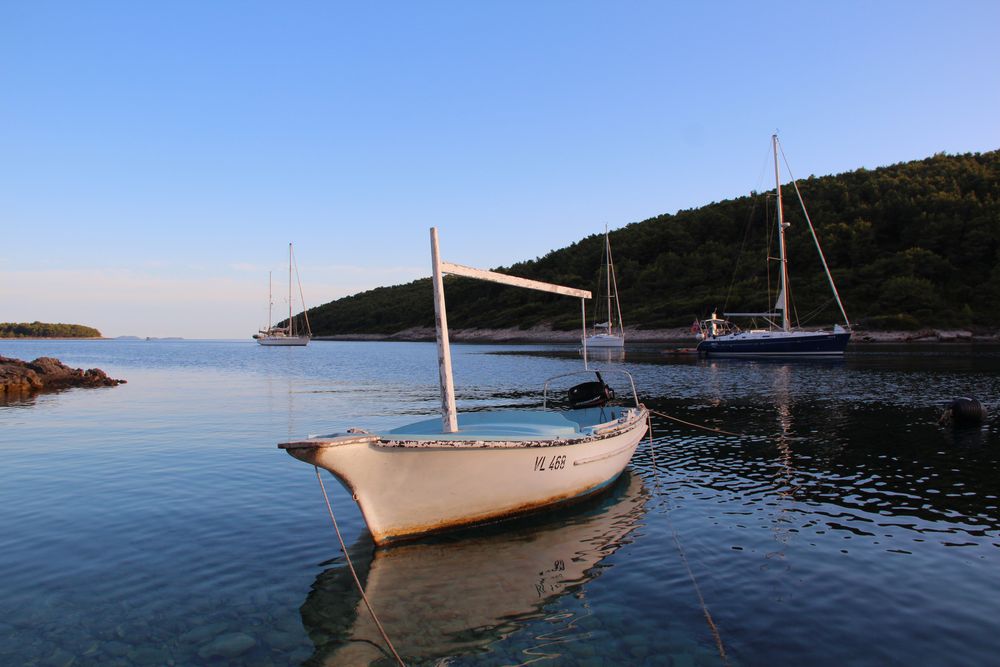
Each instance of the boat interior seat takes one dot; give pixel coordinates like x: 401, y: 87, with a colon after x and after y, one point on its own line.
x: 497, y: 425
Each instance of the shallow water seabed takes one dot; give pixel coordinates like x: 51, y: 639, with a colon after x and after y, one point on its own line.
x: 156, y: 522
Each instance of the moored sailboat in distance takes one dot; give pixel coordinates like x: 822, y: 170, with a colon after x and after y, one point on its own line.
x: 720, y: 336
x: 607, y: 334
x: 290, y: 335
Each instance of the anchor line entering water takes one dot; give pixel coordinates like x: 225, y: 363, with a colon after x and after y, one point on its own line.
x: 680, y: 550
x: 704, y: 428
x: 354, y: 574
x: 652, y: 448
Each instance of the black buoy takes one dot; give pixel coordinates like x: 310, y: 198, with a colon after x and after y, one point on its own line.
x: 963, y: 412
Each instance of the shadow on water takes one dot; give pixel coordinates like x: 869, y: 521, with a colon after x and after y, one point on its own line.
x: 482, y: 584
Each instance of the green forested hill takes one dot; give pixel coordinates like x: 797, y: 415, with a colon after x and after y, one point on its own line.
x: 912, y: 244
x: 46, y: 330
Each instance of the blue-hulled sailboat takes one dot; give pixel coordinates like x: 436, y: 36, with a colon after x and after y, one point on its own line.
x: 721, y: 337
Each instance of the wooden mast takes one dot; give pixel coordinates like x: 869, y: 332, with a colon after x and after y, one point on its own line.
x: 449, y: 415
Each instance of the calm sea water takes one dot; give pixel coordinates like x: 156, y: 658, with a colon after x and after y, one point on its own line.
x: 157, y: 523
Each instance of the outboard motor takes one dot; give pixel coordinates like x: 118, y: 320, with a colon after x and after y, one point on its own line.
x: 591, y: 394
x: 964, y: 412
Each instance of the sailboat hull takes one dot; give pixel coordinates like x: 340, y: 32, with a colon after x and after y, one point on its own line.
x: 410, y: 485
x: 286, y: 336
x: 605, y: 340
x: 283, y: 341
x: 776, y: 344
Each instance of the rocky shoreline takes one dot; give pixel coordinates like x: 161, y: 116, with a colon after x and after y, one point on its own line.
x: 47, y: 374
x: 680, y: 336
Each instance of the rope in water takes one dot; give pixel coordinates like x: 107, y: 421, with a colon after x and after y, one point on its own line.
x: 680, y: 550
x: 704, y: 428
x: 697, y: 589
x: 708, y: 616
x: 354, y: 574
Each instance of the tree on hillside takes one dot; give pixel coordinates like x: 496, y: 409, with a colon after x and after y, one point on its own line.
x: 916, y: 243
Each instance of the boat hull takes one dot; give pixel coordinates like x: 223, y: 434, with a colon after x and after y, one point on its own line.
x: 283, y: 341
x: 505, y: 576
x: 605, y: 341
x: 407, y: 489
x: 776, y: 344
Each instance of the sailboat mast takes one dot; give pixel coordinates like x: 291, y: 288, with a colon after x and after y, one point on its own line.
x: 614, y: 286
x: 781, y: 239
x: 270, y: 302
x: 302, y: 298
x: 291, y: 328
x: 607, y: 270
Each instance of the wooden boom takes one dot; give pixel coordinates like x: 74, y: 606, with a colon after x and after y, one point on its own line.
x: 503, y: 278
x: 449, y: 415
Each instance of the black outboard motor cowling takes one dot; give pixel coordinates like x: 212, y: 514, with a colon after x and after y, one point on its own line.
x: 591, y: 394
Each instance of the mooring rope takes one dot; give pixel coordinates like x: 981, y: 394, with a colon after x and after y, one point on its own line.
x: 354, y: 574
x: 652, y: 449
x: 704, y: 428
x: 701, y: 599
x: 680, y: 550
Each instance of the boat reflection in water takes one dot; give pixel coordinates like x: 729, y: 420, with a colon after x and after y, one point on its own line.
x: 607, y: 355
x: 457, y: 594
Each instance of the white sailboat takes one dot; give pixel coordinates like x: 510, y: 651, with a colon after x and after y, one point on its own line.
x: 721, y: 337
x: 439, y: 474
x: 289, y: 335
x: 607, y: 334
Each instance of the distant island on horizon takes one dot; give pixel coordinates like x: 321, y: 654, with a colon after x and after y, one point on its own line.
x: 46, y: 330
x: 148, y: 338
x: 912, y: 246
x: 61, y: 330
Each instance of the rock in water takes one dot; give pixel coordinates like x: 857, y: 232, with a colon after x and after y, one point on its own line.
x: 46, y: 373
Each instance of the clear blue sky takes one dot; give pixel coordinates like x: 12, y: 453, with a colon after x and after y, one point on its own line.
x: 156, y: 158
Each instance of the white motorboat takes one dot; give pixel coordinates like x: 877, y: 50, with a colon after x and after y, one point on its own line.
x: 438, y: 474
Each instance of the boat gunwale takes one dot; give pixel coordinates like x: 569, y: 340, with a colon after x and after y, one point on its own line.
x: 633, y: 417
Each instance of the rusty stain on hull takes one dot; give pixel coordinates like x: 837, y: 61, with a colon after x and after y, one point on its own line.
x: 561, y: 500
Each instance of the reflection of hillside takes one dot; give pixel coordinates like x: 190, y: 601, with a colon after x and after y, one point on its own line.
x: 457, y: 595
